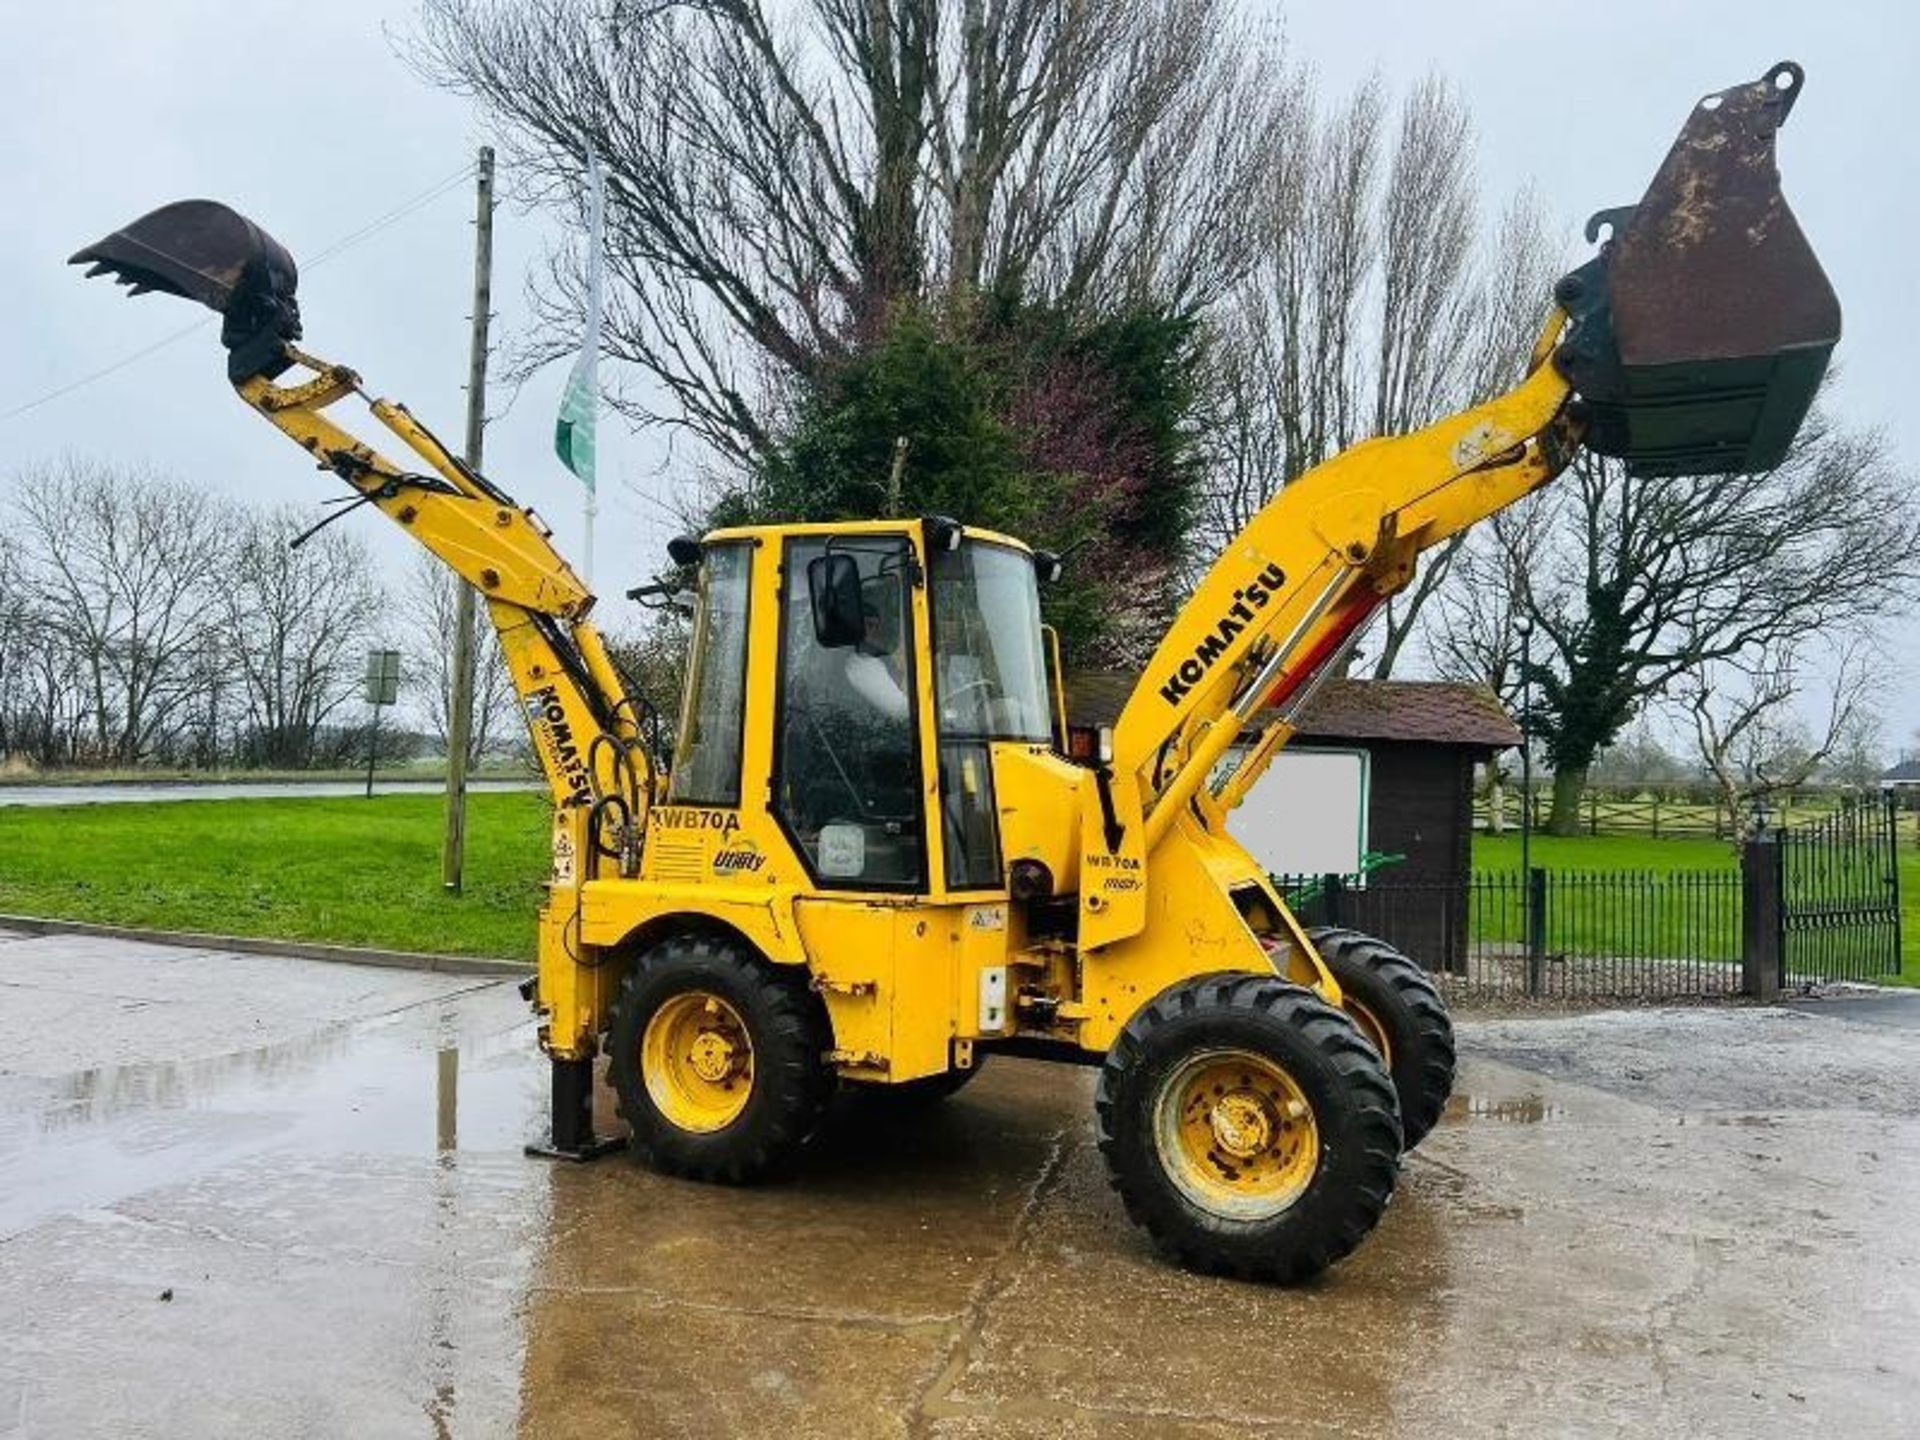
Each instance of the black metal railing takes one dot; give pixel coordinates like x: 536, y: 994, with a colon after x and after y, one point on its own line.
x: 1548, y: 935
x: 1839, y: 888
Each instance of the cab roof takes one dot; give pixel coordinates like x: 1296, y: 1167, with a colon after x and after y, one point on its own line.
x: 898, y: 526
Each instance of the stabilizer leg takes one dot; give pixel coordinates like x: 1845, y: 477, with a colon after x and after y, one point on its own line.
x: 572, y: 1136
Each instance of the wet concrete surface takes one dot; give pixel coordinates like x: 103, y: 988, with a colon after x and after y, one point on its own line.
x: 1650, y: 1222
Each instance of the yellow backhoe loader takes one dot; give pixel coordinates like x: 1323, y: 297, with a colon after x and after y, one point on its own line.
x: 874, y: 857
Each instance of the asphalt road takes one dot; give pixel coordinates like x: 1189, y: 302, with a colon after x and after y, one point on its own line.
x: 236, y: 790
x: 250, y: 1196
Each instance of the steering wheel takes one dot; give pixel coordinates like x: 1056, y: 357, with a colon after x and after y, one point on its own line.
x: 967, y: 688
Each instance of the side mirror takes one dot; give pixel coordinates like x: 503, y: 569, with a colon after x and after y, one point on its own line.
x: 833, y: 590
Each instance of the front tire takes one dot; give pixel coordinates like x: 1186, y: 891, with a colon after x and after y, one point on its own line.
x: 1248, y: 1127
x: 1402, y: 1015
x: 716, y: 1057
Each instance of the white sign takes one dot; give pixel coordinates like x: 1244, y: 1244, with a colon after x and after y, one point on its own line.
x: 1308, y: 814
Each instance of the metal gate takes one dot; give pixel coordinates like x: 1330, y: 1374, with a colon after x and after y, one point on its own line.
x: 1840, y: 896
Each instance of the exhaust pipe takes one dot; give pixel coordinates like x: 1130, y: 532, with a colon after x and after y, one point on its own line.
x: 204, y: 251
x: 1702, y: 329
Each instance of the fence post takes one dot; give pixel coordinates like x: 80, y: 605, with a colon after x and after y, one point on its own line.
x: 1891, y: 811
x: 1536, y: 929
x: 1760, y: 917
x: 1333, y: 890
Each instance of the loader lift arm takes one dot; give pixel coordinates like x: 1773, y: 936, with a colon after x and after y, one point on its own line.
x: 1693, y: 342
x: 1290, y: 594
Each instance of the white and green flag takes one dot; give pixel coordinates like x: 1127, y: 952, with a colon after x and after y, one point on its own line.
x: 573, y: 433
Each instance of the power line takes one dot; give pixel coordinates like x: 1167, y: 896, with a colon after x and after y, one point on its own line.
x: 393, y: 216
x: 104, y: 371
x: 346, y: 242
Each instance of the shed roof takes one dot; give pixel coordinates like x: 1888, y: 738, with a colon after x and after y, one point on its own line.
x: 1907, y: 772
x: 1434, y: 712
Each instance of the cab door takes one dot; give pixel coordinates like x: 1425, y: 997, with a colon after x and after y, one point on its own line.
x: 847, y: 752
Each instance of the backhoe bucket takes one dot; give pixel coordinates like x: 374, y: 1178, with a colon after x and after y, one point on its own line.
x: 206, y: 252
x: 1703, y: 327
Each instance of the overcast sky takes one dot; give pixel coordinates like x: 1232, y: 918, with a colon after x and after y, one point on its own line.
x: 303, y: 118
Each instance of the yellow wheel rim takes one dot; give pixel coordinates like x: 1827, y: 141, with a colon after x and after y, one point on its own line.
x: 1236, y: 1134
x: 697, y: 1061
x: 1370, y: 1027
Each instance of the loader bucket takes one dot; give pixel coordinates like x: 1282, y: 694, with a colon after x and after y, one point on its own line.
x: 206, y: 252
x: 1701, y: 330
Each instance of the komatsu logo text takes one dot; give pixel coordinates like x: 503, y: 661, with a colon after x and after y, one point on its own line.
x: 1249, y: 599
x: 548, y: 717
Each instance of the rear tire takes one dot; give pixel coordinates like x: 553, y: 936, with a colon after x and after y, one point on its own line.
x: 717, y: 1059
x: 1248, y: 1127
x: 1399, y: 1010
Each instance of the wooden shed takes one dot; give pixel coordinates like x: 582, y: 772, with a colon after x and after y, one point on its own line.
x: 1423, y: 739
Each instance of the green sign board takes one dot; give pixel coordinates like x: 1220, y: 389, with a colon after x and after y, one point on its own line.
x: 383, y: 676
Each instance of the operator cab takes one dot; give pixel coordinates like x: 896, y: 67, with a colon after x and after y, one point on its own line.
x: 890, y: 642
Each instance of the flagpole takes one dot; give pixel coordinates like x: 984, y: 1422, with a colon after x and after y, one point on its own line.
x: 586, y: 550
x: 573, y: 435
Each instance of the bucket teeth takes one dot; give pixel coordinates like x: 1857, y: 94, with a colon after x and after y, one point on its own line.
x: 203, y: 251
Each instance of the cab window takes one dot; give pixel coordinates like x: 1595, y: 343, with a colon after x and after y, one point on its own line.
x: 706, y: 755
x: 990, y: 680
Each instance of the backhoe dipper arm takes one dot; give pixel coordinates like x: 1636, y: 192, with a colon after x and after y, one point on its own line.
x: 1291, y: 591
x: 587, y: 730
x: 568, y: 687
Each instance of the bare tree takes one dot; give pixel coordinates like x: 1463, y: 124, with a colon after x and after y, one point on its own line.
x: 1376, y: 306
x: 431, y: 598
x: 653, y: 660
x: 1475, y: 349
x: 1642, y: 582
x: 781, y: 177
x: 124, y: 568
x: 1475, y: 628
x: 1859, y: 754
x: 298, y: 621
x: 1289, y: 384
x: 1751, y: 738
x: 17, y: 624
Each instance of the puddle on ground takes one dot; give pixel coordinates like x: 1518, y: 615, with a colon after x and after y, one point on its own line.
x: 1508, y: 1110
x: 430, y: 1080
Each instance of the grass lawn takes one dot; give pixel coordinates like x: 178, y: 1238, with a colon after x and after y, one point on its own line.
x: 367, y: 872
x: 350, y: 871
x: 412, y: 770
x: 1634, y: 852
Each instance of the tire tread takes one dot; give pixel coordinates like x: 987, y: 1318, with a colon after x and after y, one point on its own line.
x: 1424, y: 1077
x: 1373, y: 1123
x: 788, y: 1047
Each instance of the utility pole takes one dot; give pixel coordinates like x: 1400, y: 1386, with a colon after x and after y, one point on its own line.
x: 460, y: 712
